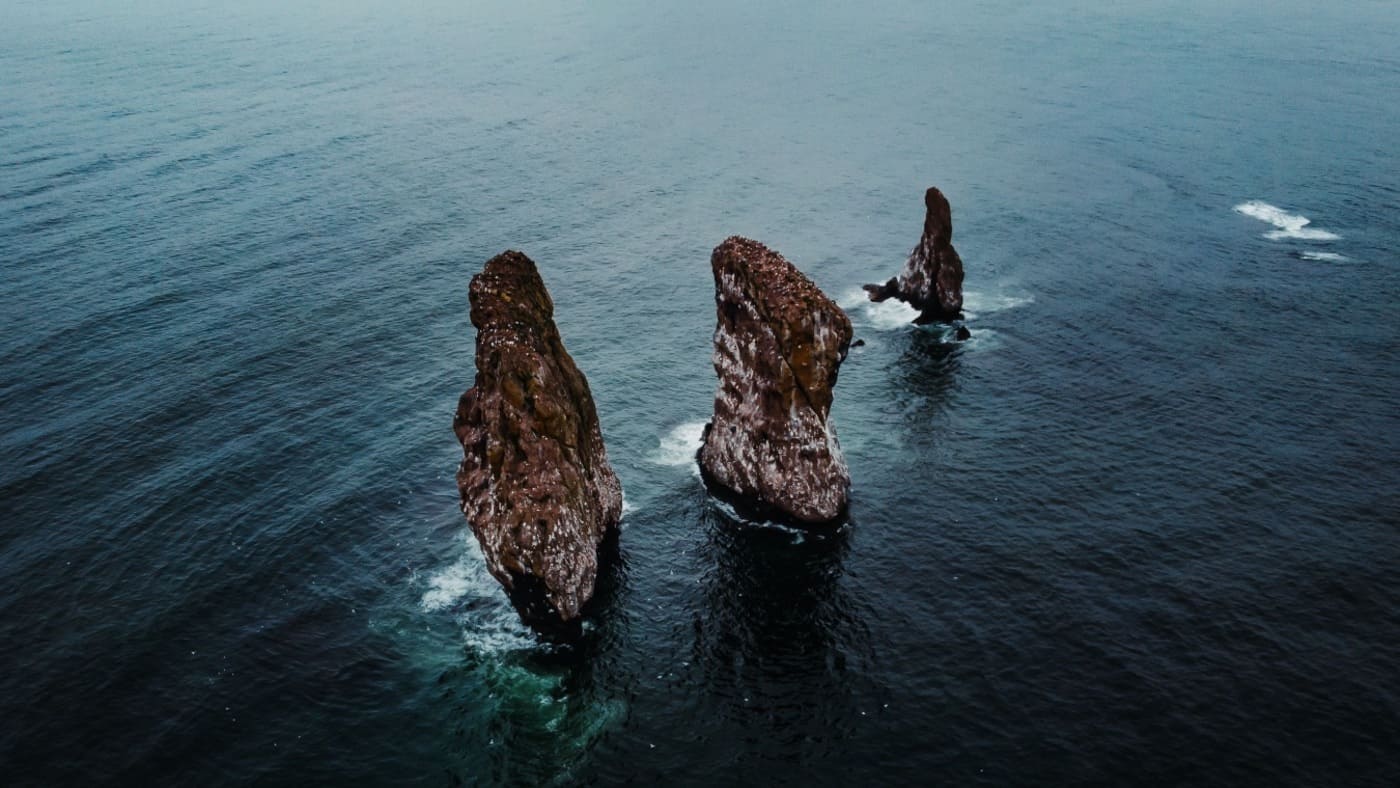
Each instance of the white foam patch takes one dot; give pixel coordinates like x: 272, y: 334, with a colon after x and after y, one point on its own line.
x: 490, y: 623
x: 1291, y: 226
x: 887, y: 315
x: 853, y: 298
x: 892, y: 314
x: 447, y: 586
x: 1325, y: 257
x: 678, y: 447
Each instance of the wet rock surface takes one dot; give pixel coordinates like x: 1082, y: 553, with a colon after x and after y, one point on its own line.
x: 931, y: 281
x: 771, y: 447
x: 535, y: 481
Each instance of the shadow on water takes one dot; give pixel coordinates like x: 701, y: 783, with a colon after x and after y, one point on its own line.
x: 776, y: 636
x: 928, y: 371
x: 929, y: 364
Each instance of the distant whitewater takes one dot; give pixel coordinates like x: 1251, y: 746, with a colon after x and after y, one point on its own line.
x: 1325, y: 257
x: 1290, y: 226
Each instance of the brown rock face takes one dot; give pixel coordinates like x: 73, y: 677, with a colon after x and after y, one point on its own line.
x: 931, y: 281
x: 535, y: 480
x: 779, y: 343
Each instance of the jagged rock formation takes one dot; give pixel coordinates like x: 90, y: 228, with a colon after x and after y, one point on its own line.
x: 779, y: 343
x: 931, y: 281
x: 535, y: 481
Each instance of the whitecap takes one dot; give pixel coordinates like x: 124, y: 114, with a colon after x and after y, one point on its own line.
x: 1325, y: 257
x: 678, y: 447
x: 1291, y: 226
x: 1301, y: 234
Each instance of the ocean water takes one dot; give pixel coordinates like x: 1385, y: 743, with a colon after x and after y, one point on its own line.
x: 1144, y: 527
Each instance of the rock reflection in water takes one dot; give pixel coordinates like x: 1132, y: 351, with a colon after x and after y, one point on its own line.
x: 928, y: 373
x: 777, y: 636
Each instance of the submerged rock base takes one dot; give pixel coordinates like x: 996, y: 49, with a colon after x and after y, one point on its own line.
x: 771, y: 448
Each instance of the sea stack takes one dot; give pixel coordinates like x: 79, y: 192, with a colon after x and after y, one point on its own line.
x: 931, y: 281
x: 535, y: 481
x: 771, y: 447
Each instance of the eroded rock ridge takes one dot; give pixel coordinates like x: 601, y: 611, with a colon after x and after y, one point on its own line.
x: 932, y: 278
x: 779, y: 344
x: 535, y: 480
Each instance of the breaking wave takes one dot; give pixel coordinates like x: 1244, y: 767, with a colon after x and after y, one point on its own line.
x: 678, y: 447
x: 490, y: 623
x: 892, y: 314
x: 1290, y: 226
x: 884, y: 316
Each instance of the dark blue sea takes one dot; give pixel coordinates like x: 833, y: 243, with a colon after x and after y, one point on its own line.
x: 1143, y: 528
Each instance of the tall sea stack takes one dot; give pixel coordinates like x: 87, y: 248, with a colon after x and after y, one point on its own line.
x: 535, y: 481
x: 779, y: 342
x: 931, y: 281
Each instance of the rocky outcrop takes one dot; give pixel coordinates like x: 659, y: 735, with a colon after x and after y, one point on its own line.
x: 931, y: 281
x: 779, y: 343
x: 535, y: 481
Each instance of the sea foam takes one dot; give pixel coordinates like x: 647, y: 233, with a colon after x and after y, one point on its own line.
x: 490, y: 624
x: 894, y: 314
x: 1325, y: 257
x: 887, y: 315
x: 1291, y: 226
x: 453, y: 583
x: 678, y: 447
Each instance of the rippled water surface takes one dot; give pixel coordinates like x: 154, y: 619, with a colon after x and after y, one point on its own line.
x: 1143, y: 527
